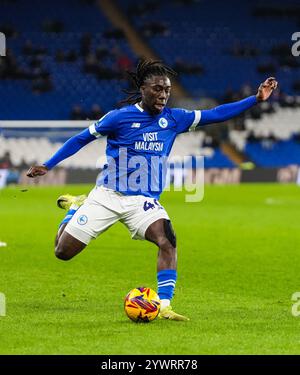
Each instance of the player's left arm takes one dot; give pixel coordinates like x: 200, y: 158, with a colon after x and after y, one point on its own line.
x: 191, y: 120
x: 227, y: 111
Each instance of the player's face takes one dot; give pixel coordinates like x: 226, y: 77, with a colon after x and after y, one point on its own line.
x: 155, y: 93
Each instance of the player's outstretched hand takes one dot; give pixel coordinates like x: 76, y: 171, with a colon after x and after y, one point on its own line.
x: 37, y: 170
x: 266, y: 88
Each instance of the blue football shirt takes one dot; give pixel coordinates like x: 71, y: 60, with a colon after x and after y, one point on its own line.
x: 138, y: 145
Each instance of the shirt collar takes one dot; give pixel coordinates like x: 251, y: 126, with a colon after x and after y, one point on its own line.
x: 139, y: 107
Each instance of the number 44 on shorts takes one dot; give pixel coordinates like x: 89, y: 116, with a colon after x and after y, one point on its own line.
x: 2, y: 305
x: 149, y: 205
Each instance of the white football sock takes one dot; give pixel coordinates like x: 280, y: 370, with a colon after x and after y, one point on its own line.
x: 74, y: 206
x: 164, y: 303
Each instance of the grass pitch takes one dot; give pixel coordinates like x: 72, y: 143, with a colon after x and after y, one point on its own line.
x: 238, y: 266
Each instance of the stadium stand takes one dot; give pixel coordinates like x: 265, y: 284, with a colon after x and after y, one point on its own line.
x: 70, y: 65
x: 272, y: 141
x: 229, y: 53
x: 37, y: 150
x: 268, y: 153
x: 84, y: 32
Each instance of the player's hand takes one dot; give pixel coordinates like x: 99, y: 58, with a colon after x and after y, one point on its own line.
x: 266, y: 88
x: 37, y: 170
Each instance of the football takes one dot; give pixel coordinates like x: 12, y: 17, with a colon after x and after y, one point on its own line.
x: 142, y: 305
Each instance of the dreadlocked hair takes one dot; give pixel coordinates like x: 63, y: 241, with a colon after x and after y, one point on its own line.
x: 145, y: 69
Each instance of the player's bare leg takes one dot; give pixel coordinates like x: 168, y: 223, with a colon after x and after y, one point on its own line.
x: 162, y: 234
x: 59, y: 233
x: 167, y: 254
x: 67, y: 246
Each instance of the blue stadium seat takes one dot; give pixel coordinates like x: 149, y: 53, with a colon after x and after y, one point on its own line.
x: 274, y: 154
x: 71, y: 84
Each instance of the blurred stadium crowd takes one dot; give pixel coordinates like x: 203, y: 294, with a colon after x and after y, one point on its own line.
x: 67, y: 61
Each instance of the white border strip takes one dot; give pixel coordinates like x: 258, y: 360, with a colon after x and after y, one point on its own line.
x: 196, y: 121
x: 94, y: 132
x: 139, y: 107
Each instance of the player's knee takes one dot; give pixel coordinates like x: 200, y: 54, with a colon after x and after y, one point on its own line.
x: 165, y: 246
x: 166, y: 250
x: 62, y: 252
x: 166, y: 241
x: 162, y: 242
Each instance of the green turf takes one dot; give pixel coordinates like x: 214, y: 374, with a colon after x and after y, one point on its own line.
x: 238, y: 262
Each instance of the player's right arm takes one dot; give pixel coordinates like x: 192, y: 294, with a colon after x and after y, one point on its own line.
x: 104, y: 126
x: 69, y: 148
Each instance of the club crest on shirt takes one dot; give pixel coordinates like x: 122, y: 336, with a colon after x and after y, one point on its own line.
x: 163, y: 123
x: 82, y: 220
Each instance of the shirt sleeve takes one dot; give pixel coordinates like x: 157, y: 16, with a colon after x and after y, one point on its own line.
x: 227, y: 111
x: 69, y: 148
x: 186, y: 120
x: 106, y: 125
